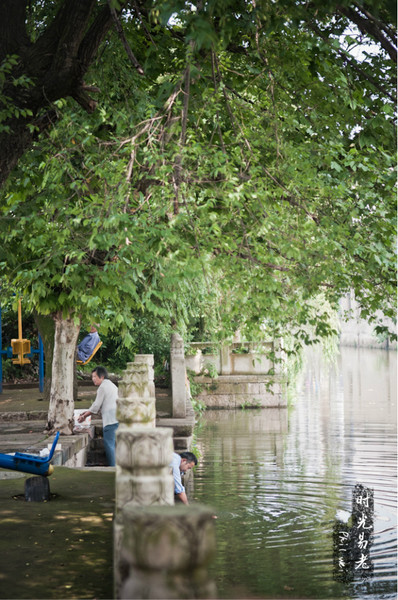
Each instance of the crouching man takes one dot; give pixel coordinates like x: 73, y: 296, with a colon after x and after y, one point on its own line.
x: 180, y: 464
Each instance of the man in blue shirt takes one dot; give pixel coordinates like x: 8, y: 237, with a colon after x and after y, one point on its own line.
x: 87, y: 345
x: 180, y: 464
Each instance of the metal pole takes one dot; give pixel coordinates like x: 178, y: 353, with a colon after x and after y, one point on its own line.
x: 41, y: 365
x: 1, y: 358
x: 20, y: 319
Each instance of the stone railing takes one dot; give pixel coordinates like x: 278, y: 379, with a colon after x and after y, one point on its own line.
x: 228, y: 359
x: 143, y: 453
x: 160, y: 550
x: 178, y: 377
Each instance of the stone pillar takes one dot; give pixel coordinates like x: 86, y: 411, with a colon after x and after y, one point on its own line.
x: 225, y: 359
x: 143, y: 475
x: 167, y: 550
x: 143, y: 452
x: 280, y: 357
x: 136, y: 404
x: 178, y: 375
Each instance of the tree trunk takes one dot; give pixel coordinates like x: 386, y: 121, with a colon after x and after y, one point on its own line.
x: 46, y: 326
x: 55, y: 62
x: 60, y: 412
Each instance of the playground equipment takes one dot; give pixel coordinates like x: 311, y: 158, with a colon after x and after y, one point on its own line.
x: 20, y: 346
x: 23, y: 351
x: 29, y: 463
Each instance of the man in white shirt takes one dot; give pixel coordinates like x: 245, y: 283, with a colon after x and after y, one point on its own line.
x: 181, y: 463
x: 105, y: 402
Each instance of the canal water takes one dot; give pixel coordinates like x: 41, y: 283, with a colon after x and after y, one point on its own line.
x: 282, y: 480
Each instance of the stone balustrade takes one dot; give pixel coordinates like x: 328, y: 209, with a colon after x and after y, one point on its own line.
x: 143, y: 453
x: 235, y: 358
x: 160, y: 550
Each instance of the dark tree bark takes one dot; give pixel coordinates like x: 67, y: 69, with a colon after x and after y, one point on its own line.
x: 56, y: 64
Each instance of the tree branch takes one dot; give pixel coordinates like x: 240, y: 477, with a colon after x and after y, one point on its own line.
x: 62, y: 38
x: 370, y: 26
x: 349, y: 60
x: 123, y: 38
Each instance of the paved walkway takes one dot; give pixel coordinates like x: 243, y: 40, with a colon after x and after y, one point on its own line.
x: 23, y: 416
x: 23, y: 398
x: 62, y: 548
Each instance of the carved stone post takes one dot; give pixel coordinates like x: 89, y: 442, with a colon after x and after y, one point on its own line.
x: 143, y: 452
x: 280, y: 357
x: 178, y: 375
x: 136, y: 404
x: 168, y: 550
x: 225, y: 359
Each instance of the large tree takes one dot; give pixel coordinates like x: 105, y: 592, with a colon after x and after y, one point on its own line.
x: 53, y: 44
x: 240, y: 149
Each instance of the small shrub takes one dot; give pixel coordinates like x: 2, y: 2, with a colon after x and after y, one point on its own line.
x: 251, y: 404
x: 198, y: 405
x: 211, y: 370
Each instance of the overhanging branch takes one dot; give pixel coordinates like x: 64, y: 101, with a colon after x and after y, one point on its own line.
x: 369, y: 25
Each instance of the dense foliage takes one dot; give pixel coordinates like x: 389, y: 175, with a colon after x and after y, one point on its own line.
x: 240, y: 162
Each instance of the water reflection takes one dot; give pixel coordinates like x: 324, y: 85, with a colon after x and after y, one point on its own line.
x: 278, y: 478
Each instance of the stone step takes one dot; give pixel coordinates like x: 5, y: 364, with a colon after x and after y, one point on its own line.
x: 95, y: 459
x: 181, y: 427
x: 182, y: 444
x: 235, y: 391
x: 96, y: 444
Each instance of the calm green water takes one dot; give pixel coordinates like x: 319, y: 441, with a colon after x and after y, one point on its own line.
x: 278, y: 479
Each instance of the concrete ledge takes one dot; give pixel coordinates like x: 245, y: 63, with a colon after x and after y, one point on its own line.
x: 181, y: 427
x: 23, y: 436
x: 243, y: 401
x: 73, y: 452
x: 32, y: 415
x: 106, y: 469
x: 31, y: 437
x: 234, y: 379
